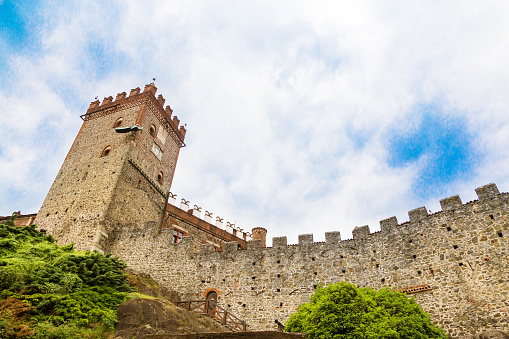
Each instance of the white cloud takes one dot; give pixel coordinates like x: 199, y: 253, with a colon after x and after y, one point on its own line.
x: 290, y: 106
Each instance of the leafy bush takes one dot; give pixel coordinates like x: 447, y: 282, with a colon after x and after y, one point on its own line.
x: 342, y: 310
x: 63, y: 287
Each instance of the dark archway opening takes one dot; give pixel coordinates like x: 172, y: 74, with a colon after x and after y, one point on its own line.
x: 212, y: 302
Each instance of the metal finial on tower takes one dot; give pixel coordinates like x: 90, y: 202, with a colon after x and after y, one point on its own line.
x: 153, y: 80
x: 96, y: 98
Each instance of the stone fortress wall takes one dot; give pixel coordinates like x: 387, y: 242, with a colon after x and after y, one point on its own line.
x: 455, y: 262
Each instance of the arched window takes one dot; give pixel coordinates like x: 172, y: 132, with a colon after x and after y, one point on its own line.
x: 106, y: 151
x: 118, y: 122
x: 160, y: 177
x: 152, y: 130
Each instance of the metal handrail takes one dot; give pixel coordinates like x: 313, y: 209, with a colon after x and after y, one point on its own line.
x: 215, y: 311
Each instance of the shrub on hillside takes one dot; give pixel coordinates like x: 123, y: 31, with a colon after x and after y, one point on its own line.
x: 62, y: 286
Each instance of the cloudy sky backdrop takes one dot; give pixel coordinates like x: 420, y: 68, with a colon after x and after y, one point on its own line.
x: 302, y: 116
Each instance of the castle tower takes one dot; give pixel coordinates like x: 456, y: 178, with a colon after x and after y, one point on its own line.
x: 259, y: 233
x: 109, y: 179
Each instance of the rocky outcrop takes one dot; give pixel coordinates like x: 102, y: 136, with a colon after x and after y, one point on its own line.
x: 144, y: 284
x: 141, y: 317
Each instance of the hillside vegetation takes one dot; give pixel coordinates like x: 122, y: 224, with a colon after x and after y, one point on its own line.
x: 52, y: 291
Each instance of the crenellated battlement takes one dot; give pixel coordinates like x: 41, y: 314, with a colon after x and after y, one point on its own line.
x: 362, y: 234
x: 148, y: 95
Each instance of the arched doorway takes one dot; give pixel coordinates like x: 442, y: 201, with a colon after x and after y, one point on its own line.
x: 212, y: 298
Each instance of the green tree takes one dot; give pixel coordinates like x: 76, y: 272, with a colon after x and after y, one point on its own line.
x: 342, y: 311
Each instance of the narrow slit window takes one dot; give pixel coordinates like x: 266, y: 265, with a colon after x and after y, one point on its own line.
x: 118, y: 122
x: 160, y: 178
x: 152, y: 130
x: 106, y: 151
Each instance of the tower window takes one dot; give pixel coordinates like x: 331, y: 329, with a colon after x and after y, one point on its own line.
x: 152, y: 130
x: 118, y: 122
x: 177, y: 236
x: 160, y: 178
x: 106, y: 151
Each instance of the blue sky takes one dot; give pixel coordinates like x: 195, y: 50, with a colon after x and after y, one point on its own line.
x: 303, y: 117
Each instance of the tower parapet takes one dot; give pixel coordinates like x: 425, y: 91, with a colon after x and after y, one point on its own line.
x: 260, y: 233
x: 108, y: 106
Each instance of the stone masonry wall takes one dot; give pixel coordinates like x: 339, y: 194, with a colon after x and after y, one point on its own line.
x: 455, y: 261
x: 74, y: 208
x: 134, y: 189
